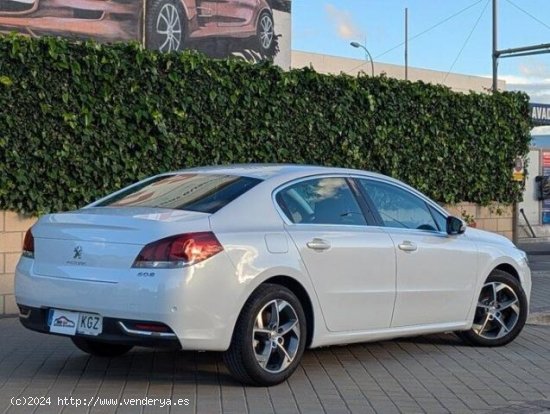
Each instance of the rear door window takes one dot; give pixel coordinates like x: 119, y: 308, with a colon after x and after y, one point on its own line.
x: 205, y: 193
x: 321, y: 201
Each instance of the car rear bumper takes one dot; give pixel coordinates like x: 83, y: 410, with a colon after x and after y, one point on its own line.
x: 116, y: 331
x: 199, y: 304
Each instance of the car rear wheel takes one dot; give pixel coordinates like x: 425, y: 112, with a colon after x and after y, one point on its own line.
x: 269, y: 338
x: 265, y: 35
x: 101, y: 349
x: 501, y: 311
x: 165, y: 25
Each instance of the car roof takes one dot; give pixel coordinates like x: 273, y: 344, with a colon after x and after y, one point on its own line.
x: 278, y: 174
x: 281, y: 171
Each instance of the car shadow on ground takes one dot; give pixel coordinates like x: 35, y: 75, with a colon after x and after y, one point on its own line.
x: 153, y: 366
x: 435, y: 339
x: 156, y: 366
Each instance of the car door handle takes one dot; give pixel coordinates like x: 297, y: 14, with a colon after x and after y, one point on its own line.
x: 407, y: 246
x: 318, y: 244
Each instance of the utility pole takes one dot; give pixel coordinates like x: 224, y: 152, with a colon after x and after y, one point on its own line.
x: 506, y: 53
x: 495, y: 56
x: 406, y: 43
x: 495, y: 46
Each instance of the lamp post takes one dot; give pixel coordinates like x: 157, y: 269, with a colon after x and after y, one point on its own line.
x: 367, y: 54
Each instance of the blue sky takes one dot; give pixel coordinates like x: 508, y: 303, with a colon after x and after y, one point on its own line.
x: 328, y: 27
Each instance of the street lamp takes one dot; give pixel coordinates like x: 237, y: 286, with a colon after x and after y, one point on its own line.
x: 367, y: 54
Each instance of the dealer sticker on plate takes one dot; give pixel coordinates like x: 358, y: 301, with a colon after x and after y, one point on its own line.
x: 69, y: 323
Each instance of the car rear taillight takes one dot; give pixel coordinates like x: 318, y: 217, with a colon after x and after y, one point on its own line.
x: 179, y: 251
x: 28, y: 244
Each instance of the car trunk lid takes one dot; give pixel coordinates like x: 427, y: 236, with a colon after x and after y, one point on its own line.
x: 93, y: 243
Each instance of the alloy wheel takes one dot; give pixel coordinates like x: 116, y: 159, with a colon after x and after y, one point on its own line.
x: 497, y: 312
x: 276, y: 336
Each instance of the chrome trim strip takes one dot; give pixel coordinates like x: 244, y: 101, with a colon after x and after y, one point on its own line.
x: 71, y: 279
x: 146, y: 333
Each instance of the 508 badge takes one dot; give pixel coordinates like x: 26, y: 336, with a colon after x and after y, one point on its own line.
x: 146, y: 274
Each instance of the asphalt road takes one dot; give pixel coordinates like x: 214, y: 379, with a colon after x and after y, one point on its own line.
x: 539, y: 255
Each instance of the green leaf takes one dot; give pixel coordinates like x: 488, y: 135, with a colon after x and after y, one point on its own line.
x: 6, y: 80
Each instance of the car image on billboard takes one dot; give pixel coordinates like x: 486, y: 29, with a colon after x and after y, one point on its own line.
x: 216, y: 28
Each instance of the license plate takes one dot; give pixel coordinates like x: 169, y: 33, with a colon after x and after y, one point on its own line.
x: 90, y: 324
x: 70, y: 323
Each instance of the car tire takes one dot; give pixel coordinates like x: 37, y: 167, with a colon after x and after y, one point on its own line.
x: 267, y: 346
x: 101, y: 349
x: 501, y: 312
x: 265, y: 35
x: 165, y: 25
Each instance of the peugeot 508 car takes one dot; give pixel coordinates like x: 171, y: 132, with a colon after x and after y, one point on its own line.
x: 169, y: 25
x: 262, y: 261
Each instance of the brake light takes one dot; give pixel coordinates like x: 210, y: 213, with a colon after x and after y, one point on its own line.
x: 28, y: 244
x: 179, y: 251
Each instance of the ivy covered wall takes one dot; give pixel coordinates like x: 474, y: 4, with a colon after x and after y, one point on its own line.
x: 79, y: 120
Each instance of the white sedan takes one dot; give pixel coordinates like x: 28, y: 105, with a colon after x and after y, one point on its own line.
x: 262, y: 261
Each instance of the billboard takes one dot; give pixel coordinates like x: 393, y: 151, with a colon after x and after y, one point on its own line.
x: 540, y: 113
x: 252, y: 29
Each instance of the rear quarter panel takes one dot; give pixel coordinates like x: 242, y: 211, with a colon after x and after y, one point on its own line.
x: 255, y: 240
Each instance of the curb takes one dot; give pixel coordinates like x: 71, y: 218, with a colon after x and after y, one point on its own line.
x: 534, y: 240
x: 539, y: 318
x: 537, y: 252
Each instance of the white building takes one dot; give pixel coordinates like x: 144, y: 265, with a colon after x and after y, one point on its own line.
x: 336, y: 65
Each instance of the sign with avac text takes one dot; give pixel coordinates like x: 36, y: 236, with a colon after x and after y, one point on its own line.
x: 540, y: 113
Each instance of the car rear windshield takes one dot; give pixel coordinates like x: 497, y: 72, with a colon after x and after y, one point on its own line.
x: 205, y: 193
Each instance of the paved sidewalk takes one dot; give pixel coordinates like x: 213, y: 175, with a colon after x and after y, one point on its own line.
x: 434, y: 374
x: 540, y: 293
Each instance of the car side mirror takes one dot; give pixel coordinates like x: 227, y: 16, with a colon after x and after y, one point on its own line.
x: 455, y: 226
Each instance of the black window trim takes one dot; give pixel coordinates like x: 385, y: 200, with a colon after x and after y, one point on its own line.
x: 374, y: 211
x: 432, y: 212
x: 364, y: 204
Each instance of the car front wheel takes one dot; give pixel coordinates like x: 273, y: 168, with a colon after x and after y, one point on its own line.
x: 269, y: 338
x: 501, y: 311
